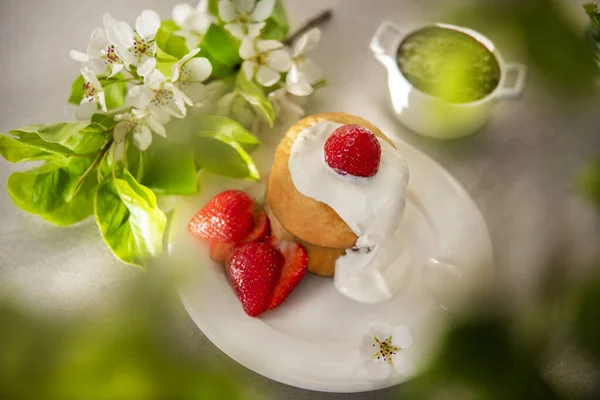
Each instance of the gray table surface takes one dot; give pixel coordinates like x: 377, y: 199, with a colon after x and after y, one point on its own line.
x: 519, y: 169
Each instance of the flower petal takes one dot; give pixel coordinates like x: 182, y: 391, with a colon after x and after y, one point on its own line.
x: 198, y: 22
x: 296, y: 82
x: 401, y: 337
x: 236, y: 30
x: 244, y: 5
x: 142, y: 137
x: 121, y: 130
x: 116, y: 68
x: 98, y: 42
x: 279, y: 60
x: 79, y: 56
x: 263, y: 10
x: 160, y: 114
x: 368, y: 346
x: 88, y: 76
x: 102, y: 101
x: 227, y: 11
x: 254, y: 29
x: 147, y: 24
x: 120, y: 34
x: 181, y: 12
x: 139, y: 96
x: 175, y: 70
x: 264, y: 46
x: 376, y: 368
x: 96, y: 66
x: 181, y: 98
x: 247, y: 49
x: 156, y: 126
x: 154, y: 79
x: 85, y: 110
x: 311, y: 71
x: 126, y: 56
x: 404, y: 365
x: 107, y: 19
x: 146, y: 66
x: 380, y: 329
x: 188, y: 56
x: 307, y: 42
x: 196, y: 92
x: 266, y: 76
x: 199, y: 69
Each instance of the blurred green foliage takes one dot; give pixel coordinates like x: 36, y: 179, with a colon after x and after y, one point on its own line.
x: 119, y: 354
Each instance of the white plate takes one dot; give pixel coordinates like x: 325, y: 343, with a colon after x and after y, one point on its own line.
x: 311, y: 340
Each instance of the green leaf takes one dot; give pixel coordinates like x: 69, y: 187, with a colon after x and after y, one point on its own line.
x: 588, y: 181
x: 129, y: 219
x: 107, y: 122
x: 29, y: 147
x: 170, y: 168
x: 170, y: 43
x: 256, y: 96
x: 77, y: 90
x: 114, y: 93
x: 213, y: 8
x: 79, y: 137
x: 221, y: 49
x: 277, y: 26
x: 136, y: 161
x: 211, y: 125
x: 224, y: 156
x: 46, y: 191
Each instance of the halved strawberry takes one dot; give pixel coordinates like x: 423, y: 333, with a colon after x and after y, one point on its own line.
x: 220, y: 251
x: 294, y: 269
x: 262, y: 228
x: 227, y: 217
x: 253, y: 270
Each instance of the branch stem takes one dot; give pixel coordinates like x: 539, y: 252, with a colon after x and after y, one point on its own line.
x: 90, y: 169
x: 311, y: 23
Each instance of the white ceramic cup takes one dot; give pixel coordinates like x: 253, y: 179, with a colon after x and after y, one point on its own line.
x: 432, y: 116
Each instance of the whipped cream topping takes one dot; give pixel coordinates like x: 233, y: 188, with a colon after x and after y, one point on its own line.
x: 376, y: 269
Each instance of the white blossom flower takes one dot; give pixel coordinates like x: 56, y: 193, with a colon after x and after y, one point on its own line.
x: 245, y: 17
x: 93, y: 96
x: 136, y: 48
x: 140, y: 124
x: 194, y: 22
x: 304, y: 73
x: 100, y: 53
x: 160, y: 97
x: 286, y: 106
x: 188, y: 74
x: 265, y: 59
x: 381, y: 349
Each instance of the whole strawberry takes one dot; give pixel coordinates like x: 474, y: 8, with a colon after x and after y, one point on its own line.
x: 228, y: 217
x: 353, y: 150
x: 253, y: 269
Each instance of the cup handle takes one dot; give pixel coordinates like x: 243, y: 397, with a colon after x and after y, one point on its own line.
x: 514, y: 91
x: 385, y: 41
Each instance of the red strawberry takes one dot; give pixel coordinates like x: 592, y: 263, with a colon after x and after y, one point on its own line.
x: 227, y: 217
x: 354, y: 150
x: 253, y: 269
x: 262, y: 228
x: 294, y: 269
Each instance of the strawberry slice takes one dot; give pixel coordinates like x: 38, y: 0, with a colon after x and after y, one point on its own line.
x: 227, y: 217
x: 294, y: 269
x: 253, y: 270
x: 262, y: 228
x: 220, y: 251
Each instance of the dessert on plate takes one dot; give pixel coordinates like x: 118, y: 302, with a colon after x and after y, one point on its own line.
x: 334, y: 203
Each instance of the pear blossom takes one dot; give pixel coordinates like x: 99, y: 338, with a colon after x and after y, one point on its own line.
x: 160, y: 97
x: 140, y: 124
x: 286, y: 106
x: 382, y: 348
x: 304, y: 73
x: 245, y: 17
x: 100, y: 53
x: 136, y: 47
x: 265, y: 60
x: 188, y: 74
x: 194, y: 22
x: 93, y: 96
